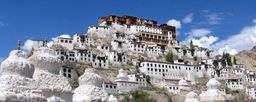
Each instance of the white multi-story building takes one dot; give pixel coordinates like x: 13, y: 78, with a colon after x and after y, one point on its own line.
x: 137, y: 28
x: 137, y: 47
x: 174, y: 89
x: 175, y: 86
x: 66, y: 42
x: 123, y: 83
x: 118, y: 58
x: 65, y: 55
x: 221, y: 70
x: 251, y: 77
x: 141, y: 79
x: 239, y: 69
x: 234, y: 83
x: 159, y: 71
x: 110, y: 88
x: 251, y: 92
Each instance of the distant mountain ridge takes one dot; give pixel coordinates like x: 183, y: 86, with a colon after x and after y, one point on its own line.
x: 247, y: 57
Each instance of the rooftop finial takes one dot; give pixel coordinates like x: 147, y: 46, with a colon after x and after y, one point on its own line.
x: 18, y: 44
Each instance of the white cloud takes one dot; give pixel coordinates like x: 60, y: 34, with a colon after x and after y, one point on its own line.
x: 245, y: 40
x: 205, y: 41
x: 64, y: 36
x: 175, y: 23
x: 254, y: 21
x: 2, y: 24
x: 199, y: 32
x: 213, y: 18
x: 201, y: 37
x: 226, y: 49
x: 188, y: 18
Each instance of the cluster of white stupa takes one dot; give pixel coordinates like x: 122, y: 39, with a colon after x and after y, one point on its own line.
x: 212, y: 94
x: 36, y: 80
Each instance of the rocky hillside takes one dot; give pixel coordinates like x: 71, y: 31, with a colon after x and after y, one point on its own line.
x: 247, y: 57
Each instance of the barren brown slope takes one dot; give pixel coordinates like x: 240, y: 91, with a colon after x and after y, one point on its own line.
x: 247, y: 57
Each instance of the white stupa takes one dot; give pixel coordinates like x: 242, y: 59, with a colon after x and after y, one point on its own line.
x: 121, y: 75
x: 192, y: 97
x: 47, y: 66
x: 90, y: 88
x: 213, y: 94
x: 16, y: 84
x: 183, y: 85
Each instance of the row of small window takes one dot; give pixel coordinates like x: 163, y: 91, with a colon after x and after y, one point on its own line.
x: 66, y: 70
x: 174, y: 88
x: 66, y: 41
x: 125, y: 84
x: 154, y: 36
x: 67, y: 75
x: 166, y: 66
x: 100, y: 65
x: 235, y: 86
x: 140, y: 79
x: 236, y: 83
x: 143, y: 28
x: 102, y: 47
x: 110, y: 86
x: 251, y: 79
x: 239, y: 71
x: 142, y: 83
x: 85, y: 54
x: 158, y: 70
x: 151, y: 69
x: 167, y: 74
x: 85, y: 59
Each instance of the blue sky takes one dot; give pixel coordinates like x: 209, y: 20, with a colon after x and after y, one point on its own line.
x: 44, y: 19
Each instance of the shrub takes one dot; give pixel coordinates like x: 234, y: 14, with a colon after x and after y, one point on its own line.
x: 169, y: 57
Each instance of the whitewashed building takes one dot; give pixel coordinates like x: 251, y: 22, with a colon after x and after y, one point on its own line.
x: 251, y: 77
x: 159, y: 71
x: 239, y: 69
x: 118, y: 58
x: 110, y: 88
x: 65, y: 55
x: 123, y: 83
x: 234, y: 83
x: 251, y: 92
x: 66, y: 42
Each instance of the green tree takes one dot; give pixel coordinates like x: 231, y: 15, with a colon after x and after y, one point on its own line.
x: 141, y: 96
x: 227, y: 57
x: 170, y: 99
x: 148, y: 79
x: 235, y: 60
x: 169, y: 57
